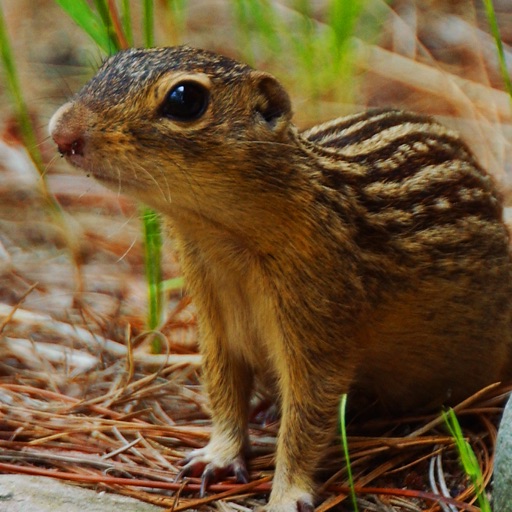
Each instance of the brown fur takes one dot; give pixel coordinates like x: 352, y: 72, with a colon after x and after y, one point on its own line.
x: 367, y: 254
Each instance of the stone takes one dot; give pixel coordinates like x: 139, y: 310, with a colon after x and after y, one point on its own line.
x: 23, y: 493
x: 502, y: 494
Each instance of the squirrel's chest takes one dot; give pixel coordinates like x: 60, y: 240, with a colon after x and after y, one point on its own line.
x: 233, y: 295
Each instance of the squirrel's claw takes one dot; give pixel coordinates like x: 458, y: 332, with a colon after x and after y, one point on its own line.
x: 210, y: 471
x: 190, y: 468
x: 240, y: 472
x: 209, y: 476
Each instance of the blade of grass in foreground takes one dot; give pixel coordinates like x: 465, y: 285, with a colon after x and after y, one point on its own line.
x: 151, y: 222
x: 153, y: 251
x: 344, y: 442
x: 468, y: 459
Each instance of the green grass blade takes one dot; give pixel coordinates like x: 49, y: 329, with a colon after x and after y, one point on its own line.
x: 344, y: 442
x: 80, y: 12
x: 148, y: 17
x: 493, y: 23
x: 106, y: 16
x: 103, y: 10
x: 151, y: 221
x: 468, y: 459
x: 153, y: 246
x: 127, y: 21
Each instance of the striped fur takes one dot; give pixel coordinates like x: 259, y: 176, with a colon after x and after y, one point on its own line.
x: 402, y: 166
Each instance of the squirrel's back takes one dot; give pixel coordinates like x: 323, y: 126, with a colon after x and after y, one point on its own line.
x: 429, y: 223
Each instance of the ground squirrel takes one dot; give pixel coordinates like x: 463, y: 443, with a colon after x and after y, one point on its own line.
x: 366, y: 255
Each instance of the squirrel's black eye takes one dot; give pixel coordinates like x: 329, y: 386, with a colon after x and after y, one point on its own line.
x: 186, y: 101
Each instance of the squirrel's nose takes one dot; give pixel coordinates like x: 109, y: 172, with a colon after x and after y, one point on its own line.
x: 67, y: 133
x: 68, y: 144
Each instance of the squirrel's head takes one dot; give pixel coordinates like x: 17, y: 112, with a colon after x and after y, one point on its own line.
x: 150, y: 113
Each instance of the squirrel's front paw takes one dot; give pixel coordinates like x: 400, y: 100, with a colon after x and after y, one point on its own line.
x: 213, y: 464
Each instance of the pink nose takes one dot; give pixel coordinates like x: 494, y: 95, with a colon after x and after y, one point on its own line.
x: 67, y: 131
x: 68, y: 144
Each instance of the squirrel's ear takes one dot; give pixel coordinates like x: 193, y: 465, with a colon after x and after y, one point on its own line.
x: 272, y: 102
